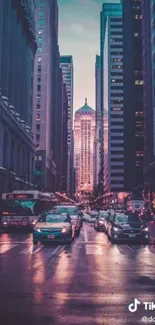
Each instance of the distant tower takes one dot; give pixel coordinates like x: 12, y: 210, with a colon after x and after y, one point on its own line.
x: 84, y: 134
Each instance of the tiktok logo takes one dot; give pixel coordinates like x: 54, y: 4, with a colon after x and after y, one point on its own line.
x: 133, y: 306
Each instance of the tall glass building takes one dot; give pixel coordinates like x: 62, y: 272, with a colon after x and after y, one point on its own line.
x: 133, y: 96
x: 46, y: 97
x: 66, y: 63
x: 112, y: 98
x: 148, y: 41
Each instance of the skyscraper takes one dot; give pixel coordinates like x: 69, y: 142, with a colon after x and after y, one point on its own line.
x: 17, y: 50
x: 97, y: 143
x: 84, y: 134
x: 66, y: 63
x: 112, y: 96
x: 133, y: 95
x: 148, y: 45
x: 65, y: 138
x: 45, y: 99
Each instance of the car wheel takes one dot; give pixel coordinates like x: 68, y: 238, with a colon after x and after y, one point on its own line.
x: 146, y: 241
x: 35, y: 242
x: 70, y: 241
x: 78, y: 233
x: 113, y: 240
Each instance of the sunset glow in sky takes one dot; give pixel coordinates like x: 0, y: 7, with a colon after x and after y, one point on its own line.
x: 79, y: 35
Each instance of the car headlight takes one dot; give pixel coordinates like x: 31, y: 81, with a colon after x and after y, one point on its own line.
x: 65, y: 229
x: 116, y: 229
x: 34, y: 222
x: 146, y: 229
x: 101, y: 222
x: 37, y: 229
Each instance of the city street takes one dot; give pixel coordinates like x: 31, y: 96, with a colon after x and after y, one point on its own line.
x: 89, y: 283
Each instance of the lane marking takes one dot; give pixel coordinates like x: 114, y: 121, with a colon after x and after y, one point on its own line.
x: 28, y: 240
x: 6, y: 248
x: 85, y: 234
x: 94, y: 250
x: 91, y: 242
x: 26, y: 251
x: 37, y: 249
x: 14, y: 242
x: 128, y: 247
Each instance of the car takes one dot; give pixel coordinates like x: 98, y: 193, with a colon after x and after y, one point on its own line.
x: 127, y: 227
x: 54, y: 227
x: 99, y: 223
x: 74, y: 213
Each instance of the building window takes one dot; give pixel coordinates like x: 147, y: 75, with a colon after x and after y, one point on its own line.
x: 41, y: 4
x: 38, y: 137
x: 38, y: 106
x: 41, y: 22
x: 41, y: 13
x: 139, y: 82
x: 39, y: 79
x: 38, y: 147
x: 40, y: 31
x: 38, y: 127
x: 40, y: 49
x: 39, y: 59
x: 39, y: 157
x: 38, y: 117
x: 39, y: 69
x: 38, y: 87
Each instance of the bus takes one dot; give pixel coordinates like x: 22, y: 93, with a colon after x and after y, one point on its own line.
x: 22, y: 208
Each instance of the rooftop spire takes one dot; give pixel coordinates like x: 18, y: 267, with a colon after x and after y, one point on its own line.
x: 85, y: 101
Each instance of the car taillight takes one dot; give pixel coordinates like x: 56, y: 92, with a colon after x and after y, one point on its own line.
x: 5, y: 213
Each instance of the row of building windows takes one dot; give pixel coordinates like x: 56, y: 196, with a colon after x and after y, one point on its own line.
x: 117, y: 152
x: 115, y: 26
x: 116, y: 101
x: 113, y: 33
x: 116, y: 130
x: 118, y: 73
x: 117, y: 174
x: 116, y: 67
x: 115, y: 40
x: 116, y: 87
x: 116, y: 145
x: 120, y: 80
x: 116, y: 94
x: 116, y: 60
x: 118, y: 46
x: 116, y: 53
x: 116, y: 182
x: 117, y: 138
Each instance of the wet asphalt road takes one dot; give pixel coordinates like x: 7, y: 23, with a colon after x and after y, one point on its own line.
x: 89, y: 283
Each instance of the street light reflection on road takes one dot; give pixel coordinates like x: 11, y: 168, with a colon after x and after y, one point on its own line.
x: 38, y: 278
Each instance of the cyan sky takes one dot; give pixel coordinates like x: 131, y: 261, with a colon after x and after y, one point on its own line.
x: 79, y: 35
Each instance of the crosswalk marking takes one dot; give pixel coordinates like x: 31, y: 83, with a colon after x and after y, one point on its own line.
x: 37, y: 249
x: 6, y: 248
x: 94, y: 250
x: 26, y: 251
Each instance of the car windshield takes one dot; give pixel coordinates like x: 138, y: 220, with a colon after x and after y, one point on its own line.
x: 49, y: 217
x: 127, y: 219
x: 69, y: 210
x: 103, y: 215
